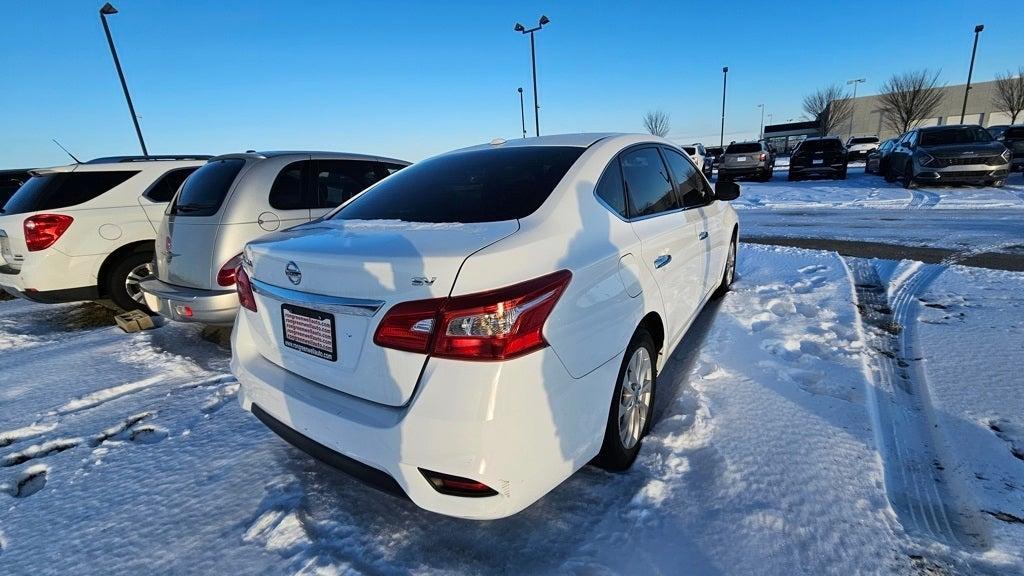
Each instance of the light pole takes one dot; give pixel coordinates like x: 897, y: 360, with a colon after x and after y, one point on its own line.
x: 853, y: 102
x: 770, y: 116
x: 105, y: 11
x: 970, y: 71
x: 725, y: 78
x: 761, y: 131
x: 522, y: 110
x: 533, y: 60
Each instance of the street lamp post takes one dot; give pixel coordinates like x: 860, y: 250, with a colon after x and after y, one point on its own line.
x: 853, y: 102
x: 533, y: 61
x: 725, y: 77
x: 105, y: 11
x: 522, y: 110
x: 970, y: 71
x: 761, y: 131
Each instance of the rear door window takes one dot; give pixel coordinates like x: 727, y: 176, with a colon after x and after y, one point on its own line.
x: 392, y: 168
x: 63, y: 189
x: 648, y: 186
x: 336, y: 181
x: 205, y: 190
x: 288, y: 192
x: 485, y: 185
x: 610, y: 189
x: 163, y: 189
x: 689, y: 186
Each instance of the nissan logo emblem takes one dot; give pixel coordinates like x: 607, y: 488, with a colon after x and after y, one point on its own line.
x: 293, y: 273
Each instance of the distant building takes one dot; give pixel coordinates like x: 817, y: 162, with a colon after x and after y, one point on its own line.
x: 868, y: 121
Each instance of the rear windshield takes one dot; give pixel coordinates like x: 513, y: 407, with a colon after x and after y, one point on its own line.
x: 964, y: 135
x: 62, y: 189
x: 714, y: 151
x: 820, y: 145
x: 475, y: 186
x: 866, y: 140
x: 203, y: 191
x: 743, y: 148
x: 689, y: 150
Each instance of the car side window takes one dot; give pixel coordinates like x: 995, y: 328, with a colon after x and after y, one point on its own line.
x: 287, y: 192
x: 689, y: 186
x: 392, y: 168
x: 648, y: 187
x: 163, y: 189
x: 610, y: 188
x: 336, y: 181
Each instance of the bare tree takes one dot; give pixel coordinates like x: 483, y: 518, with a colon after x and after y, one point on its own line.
x: 1009, y: 95
x: 830, y: 106
x: 657, y: 122
x: 906, y: 99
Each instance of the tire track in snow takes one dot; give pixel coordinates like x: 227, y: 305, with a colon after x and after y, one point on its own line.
x: 928, y: 500
x: 923, y: 199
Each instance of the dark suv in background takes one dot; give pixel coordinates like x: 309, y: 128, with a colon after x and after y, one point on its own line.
x: 741, y: 159
x: 819, y: 157
x: 957, y: 154
x: 1013, y: 138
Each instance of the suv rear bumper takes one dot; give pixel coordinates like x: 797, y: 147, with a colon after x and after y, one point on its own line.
x: 741, y: 172
x: 51, y: 277
x: 55, y: 296
x: 183, y: 304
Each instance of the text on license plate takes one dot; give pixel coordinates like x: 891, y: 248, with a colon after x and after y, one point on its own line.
x: 741, y: 159
x: 309, y: 331
x: 817, y: 161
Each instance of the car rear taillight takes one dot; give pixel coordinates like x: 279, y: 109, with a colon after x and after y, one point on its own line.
x: 244, y: 288
x: 493, y: 325
x: 227, y: 272
x: 42, y: 230
x: 763, y: 156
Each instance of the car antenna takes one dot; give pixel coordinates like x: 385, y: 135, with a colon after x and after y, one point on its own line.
x: 77, y: 161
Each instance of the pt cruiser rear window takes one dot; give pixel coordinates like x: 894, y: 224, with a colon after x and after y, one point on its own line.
x: 467, y: 187
x: 203, y: 191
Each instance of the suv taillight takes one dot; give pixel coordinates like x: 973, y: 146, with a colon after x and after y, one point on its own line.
x: 244, y: 288
x: 763, y: 156
x: 226, y: 274
x: 42, y: 230
x: 493, y: 325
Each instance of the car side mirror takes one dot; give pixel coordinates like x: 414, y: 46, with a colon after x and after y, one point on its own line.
x: 727, y: 190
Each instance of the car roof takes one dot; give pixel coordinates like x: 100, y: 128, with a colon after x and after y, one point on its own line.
x: 316, y: 154
x: 150, y: 158
x: 946, y: 127
x: 823, y: 138
x: 582, y: 140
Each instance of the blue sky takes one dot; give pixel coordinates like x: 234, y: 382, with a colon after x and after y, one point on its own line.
x: 412, y: 79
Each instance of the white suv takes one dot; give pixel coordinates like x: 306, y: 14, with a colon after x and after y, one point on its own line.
x: 86, y: 231
x: 476, y: 327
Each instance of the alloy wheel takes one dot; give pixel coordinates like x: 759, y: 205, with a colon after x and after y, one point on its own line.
x: 635, y: 398
x: 137, y: 275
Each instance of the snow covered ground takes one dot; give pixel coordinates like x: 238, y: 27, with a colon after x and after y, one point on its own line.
x: 865, y: 207
x: 772, y: 450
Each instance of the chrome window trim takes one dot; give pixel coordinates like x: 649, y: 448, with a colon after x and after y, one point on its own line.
x: 338, y: 304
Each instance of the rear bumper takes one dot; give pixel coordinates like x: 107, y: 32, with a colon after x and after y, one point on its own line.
x: 184, y: 304
x: 55, y: 296
x: 51, y: 277
x: 520, y: 427
x: 741, y: 171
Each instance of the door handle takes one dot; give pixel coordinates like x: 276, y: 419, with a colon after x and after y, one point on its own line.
x: 662, y: 260
x: 703, y: 236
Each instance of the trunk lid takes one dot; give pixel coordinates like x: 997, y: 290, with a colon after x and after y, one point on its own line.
x: 355, y: 270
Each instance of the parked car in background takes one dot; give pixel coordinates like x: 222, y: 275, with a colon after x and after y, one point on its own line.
x: 747, y: 159
x: 997, y: 130
x: 952, y: 154
x: 817, y: 157
x: 1013, y: 138
x: 858, y: 147
x: 475, y: 328
x: 878, y: 160
x: 10, y: 181
x: 711, y: 156
x: 236, y: 198
x: 700, y: 157
x: 86, y: 231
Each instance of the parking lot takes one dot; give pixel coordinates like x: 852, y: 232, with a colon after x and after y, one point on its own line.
x: 779, y: 431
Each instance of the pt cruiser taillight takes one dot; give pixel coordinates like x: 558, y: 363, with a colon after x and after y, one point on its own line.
x: 229, y: 271
x: 43, y: 230
x: 493, y: 325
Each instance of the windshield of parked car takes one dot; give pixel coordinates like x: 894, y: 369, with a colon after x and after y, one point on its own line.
x: 958, y: 135
x: 62, y: 189
x: 743, y: 148
x: 864, y: 140
x: 827, y: 144
x: 204, y: 190
x: 689, y: 150
x: 1014, y: 132
x: 487, y: 185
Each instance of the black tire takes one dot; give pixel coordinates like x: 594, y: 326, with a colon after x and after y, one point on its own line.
x: 614, y: 455
x: 907, y: 177
x: 888, y: 175
x: 767, y: 175
x: 117, y: 285
x: 792, y: 177
x: 728, y: 272
x: 842, y: 175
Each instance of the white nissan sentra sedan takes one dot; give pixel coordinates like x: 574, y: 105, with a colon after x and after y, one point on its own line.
x: 473, y: 329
